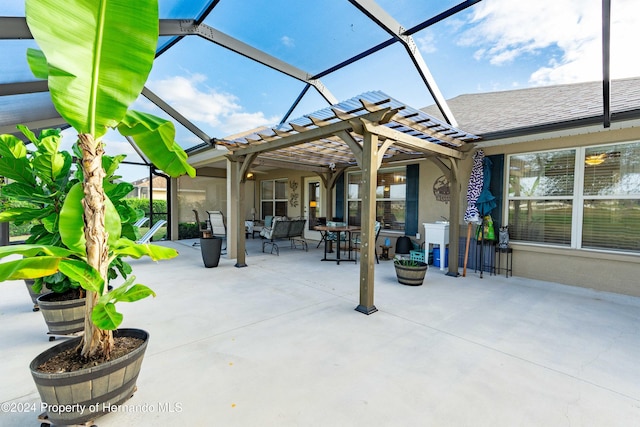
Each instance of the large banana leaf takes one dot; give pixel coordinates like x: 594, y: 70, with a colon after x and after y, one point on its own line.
x: 99, y: 55
x: 155, y: 137
x: 33, y: 250
x: 72, y: 222
x: 29, y: 268
x: 126, y: 247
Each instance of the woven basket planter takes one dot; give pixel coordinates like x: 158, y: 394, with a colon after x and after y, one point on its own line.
x: 91, y: 391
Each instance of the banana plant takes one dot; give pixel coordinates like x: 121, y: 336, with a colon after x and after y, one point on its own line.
x: 96, y: 68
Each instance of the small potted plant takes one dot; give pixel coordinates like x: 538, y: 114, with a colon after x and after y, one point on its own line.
x: 410, y: 272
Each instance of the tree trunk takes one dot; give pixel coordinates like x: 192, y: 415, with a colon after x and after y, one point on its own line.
x: 96, y: 342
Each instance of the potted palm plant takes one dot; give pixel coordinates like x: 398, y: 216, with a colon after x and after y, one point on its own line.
x: 96, y: 67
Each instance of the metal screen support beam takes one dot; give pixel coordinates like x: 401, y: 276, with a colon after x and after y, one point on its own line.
x: 177, y: 27
x: 175, y: 114
x: 385, y: 21
x: 606, y: 54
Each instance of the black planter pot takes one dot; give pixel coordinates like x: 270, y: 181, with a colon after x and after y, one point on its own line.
x: 211, y: 248
x: 88, y: 393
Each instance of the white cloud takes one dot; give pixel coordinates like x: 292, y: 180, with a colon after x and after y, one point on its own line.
x: 197, y: 102
x: 287, y: 41
x: 426, y: 42
x: 504, y: 31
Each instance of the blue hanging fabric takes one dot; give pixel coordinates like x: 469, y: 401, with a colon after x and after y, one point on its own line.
x: 486, y: 201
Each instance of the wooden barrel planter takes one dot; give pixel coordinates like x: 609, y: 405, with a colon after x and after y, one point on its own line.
x: 62, y: 317
x: 411, y: 275
x: 34, y: 296
x: 94, y: 390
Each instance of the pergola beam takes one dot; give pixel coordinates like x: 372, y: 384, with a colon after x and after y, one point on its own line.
x: 413, y: 143
x: 314, y: 134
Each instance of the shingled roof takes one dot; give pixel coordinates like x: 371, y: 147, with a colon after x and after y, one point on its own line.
x: 506, y: 113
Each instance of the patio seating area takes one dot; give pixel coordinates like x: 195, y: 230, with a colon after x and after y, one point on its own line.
x: 278, y: 343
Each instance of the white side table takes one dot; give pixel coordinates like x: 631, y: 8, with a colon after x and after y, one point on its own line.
x: 437, y: 233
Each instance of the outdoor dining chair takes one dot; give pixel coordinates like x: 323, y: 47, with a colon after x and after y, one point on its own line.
x: 356, y: 240
x: 201, y: 228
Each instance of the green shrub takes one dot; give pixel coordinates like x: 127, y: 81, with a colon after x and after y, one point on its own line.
x: 158, y: 206
x: 188, y: 230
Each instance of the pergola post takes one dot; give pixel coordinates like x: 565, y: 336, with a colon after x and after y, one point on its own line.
x: 454, y: 219
x: 367, y: 247
x: 235, y: 221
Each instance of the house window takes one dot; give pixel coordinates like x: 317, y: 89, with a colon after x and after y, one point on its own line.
x: 580, y: 198
x: 273, y: 198
x: 611, y: 197
x: 391, y: 196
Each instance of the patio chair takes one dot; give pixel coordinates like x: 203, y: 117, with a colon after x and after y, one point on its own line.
x: 332, y: 236
x: 153, y: 230
x: 142, y: 221
x: 218, y: 225
x: 356, y: 241
x: 201, y: 229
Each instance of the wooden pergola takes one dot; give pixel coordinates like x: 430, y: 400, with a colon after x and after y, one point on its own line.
x: 367, y: 131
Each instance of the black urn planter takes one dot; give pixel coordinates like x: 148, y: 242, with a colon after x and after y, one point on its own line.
x: 211, y: 248
x: 81, y: 396
x: 412, y: 275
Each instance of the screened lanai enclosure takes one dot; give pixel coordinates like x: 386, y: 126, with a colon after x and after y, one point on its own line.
x: 195, y: 81
x: 256, y: 86
x: 228, y: 66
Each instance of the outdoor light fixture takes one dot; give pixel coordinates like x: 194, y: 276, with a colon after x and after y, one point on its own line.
x: 313, y: 204
x: 250, y: 176
x: 253, y: 214
x: 595, y: 159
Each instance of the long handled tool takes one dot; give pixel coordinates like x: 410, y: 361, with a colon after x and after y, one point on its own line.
x: 466, y: 250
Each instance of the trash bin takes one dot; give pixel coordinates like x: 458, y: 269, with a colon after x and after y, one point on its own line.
x: 436, y: 257
x: 403, y: 245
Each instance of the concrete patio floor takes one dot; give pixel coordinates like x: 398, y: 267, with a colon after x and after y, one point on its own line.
x: 278, y: 343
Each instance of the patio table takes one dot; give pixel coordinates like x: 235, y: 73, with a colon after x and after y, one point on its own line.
x: 347, y: 229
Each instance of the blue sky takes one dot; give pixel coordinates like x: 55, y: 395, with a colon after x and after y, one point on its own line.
x: 493, y: 45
